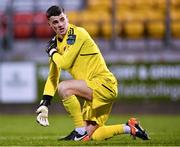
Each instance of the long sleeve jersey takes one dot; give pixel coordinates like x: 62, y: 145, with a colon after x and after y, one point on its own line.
x: 78, y: 54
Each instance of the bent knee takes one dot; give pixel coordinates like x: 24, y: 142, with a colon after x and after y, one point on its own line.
x: 63, y: 90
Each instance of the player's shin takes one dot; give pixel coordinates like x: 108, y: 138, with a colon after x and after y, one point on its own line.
x: 105, y: 132
x: 73, y: 107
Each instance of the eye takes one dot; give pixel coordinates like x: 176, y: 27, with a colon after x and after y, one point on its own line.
x: 62, y: 19
x: 55, y: 22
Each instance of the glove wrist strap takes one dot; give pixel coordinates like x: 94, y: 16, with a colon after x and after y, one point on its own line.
x: 46, y: 100
x: 52, y: 51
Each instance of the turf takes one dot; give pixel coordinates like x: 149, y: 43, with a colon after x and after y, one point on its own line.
x: 22, y: 130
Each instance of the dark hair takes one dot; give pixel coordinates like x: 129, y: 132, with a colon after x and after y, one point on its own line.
x: 54, y: 11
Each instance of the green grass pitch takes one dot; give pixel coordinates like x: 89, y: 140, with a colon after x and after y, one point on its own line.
x: 22, y: 130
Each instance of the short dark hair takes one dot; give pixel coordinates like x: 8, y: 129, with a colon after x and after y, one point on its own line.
x: 54, y: 11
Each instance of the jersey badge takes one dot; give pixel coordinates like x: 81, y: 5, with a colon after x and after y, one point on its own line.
x: 71, y: 39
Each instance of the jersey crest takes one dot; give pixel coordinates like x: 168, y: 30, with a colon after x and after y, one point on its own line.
x: 71, y: 37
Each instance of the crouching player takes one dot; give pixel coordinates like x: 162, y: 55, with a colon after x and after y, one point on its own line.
x: 73, y: 49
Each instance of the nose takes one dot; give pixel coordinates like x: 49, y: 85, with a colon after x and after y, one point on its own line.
x: 60, y: 24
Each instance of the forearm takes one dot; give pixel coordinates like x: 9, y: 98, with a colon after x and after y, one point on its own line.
x: 60, y: 61
x: 52, y: 80
x: 50, y: 87
x: 66, y: 60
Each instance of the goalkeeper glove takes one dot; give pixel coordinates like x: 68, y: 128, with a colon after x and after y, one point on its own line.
x: 51, y: 47
x: 42, y: 117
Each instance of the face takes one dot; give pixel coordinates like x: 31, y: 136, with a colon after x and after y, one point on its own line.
x: 59, y: 24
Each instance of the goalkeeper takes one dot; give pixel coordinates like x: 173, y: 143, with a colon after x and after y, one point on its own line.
x: 73, y: 49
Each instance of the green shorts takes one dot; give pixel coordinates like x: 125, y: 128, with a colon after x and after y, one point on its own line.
x: 104, y: 93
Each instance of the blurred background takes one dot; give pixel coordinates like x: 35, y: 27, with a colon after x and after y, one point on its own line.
x: 139, y: 39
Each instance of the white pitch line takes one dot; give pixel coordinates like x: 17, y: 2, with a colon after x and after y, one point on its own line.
x: 34, y: 138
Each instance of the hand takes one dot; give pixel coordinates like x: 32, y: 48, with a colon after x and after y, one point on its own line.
x: 42, y: 117
x: 51, y: 48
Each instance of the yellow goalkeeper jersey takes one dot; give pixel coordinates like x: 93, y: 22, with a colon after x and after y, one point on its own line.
x: 78, y: 54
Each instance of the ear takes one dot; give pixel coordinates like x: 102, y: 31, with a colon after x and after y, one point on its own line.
x: 49, y: 23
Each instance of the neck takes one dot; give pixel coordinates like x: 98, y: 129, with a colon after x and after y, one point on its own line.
x: 60, y: 37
